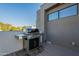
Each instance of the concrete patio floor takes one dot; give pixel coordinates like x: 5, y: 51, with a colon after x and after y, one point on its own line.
x: 48, y: 50
x: 53, y: 50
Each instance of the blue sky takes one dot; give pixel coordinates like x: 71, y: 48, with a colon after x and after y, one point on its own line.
x: 19, y: 14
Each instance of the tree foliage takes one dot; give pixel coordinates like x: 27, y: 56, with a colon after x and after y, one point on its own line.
x: 9, y: 27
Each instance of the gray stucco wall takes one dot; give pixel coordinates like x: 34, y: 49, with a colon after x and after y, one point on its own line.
x: 41, y: 16
x: 64, y: 31
x: 8, y: 42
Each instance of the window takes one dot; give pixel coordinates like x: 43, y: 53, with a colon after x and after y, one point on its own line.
x: 53, y: 16
x: 70, y: 11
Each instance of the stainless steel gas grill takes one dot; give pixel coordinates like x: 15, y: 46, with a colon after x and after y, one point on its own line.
x: 31, y: 40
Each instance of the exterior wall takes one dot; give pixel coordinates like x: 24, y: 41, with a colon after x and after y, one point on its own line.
x: 8, y: 42
x: 41, y: 22
x: 38, y: 22
x: 64, y: 31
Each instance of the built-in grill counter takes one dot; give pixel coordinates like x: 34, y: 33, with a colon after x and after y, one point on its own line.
x: 32, y: 39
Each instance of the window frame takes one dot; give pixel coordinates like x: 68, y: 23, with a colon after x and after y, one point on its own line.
x: 63, y: 9
x: 52, y: 13
x: 66, y: 8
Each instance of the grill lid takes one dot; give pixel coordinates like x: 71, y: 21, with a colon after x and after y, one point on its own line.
x: 33, y: 31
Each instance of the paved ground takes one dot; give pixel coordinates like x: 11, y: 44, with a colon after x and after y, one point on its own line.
x: 47, y: 50
x: 52, y: 50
